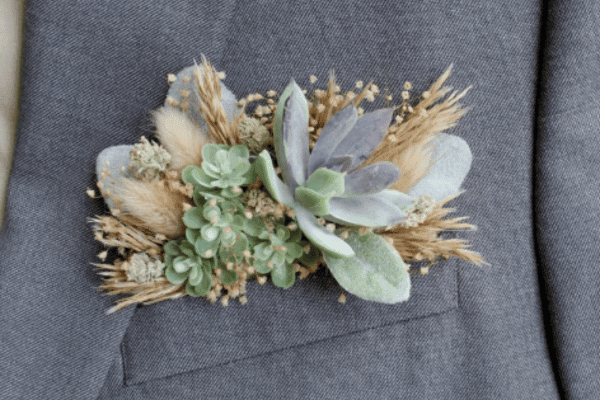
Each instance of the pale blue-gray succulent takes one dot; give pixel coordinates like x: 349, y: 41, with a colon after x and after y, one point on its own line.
x: 326, y: 183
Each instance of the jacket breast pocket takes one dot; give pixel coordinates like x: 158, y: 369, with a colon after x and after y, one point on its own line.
x: 188, y: 334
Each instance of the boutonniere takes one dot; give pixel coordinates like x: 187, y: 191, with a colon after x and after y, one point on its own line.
x: 274, y: 186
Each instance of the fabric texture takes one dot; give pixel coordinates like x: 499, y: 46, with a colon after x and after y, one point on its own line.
x: 523, y: 328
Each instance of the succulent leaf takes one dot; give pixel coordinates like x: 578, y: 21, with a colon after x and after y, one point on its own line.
x: 376, y: 273
x: 327, y: 241
x: 283, y: 276
x: 202, y: 288
x: 320, y: 187
x: 327, y: 182
x: 174, y: 277
x: 192, y: 235
x: 265, y: 170
x: 224, y: 169
x: 313, y: 201
x: 310, y: 257
x: 444, y: 178
x: 368, y: 210
x: 371, y: 179
x: 399, y: 199
x: 363, y: 138
x: 228, y: 277
x: 334, y: 131
x: 183, y: 264
x: 341, y: 163
x: 290, y: 134
x: 192, y: 218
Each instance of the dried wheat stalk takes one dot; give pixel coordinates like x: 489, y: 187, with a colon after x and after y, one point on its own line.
x: 423, y: 242
x: 208, y: 84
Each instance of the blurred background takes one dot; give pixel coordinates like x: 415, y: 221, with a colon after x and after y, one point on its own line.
x: 11, y: 16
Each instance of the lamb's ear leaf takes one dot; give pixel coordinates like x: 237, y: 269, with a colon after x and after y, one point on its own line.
x: 327, y: 241
x: 376, y: 273
x: 184, y: 90
x: 117, y: 157
x: 444, y: 178
x: 290, y: 135
x: 263, y: 166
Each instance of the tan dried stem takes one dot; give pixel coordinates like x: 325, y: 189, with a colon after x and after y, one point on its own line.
x: 116, y: 283
x: 423, y: 242
x: 111, y: 232
x: 209, y: 89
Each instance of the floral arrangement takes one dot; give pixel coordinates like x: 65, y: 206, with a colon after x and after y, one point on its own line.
x: 307, y: 180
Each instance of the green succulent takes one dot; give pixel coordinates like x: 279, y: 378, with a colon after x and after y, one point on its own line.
x: 219, y: 233
x: 215, y: 232
x: 224, y: 170
x: 183, y: 264
x: 275, y: 248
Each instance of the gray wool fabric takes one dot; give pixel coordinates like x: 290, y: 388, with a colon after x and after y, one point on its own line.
x: 526, y: 327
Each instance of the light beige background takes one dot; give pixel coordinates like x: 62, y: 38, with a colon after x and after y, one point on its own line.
x: 11, y: 12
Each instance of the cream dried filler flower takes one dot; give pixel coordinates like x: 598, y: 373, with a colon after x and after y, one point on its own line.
x: 215, y: 224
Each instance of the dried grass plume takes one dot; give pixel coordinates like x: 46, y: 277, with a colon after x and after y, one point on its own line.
x: 180, y: 136
x: 155, y: 207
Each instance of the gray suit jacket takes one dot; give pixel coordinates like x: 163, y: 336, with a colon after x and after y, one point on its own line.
x: 526, y: 327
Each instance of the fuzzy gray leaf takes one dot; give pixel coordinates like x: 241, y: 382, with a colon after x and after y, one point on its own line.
x: 447, y: 174
x: 334, y: 131
x: 375, y: 273
x: 116, y: 157
x: 371, y: 179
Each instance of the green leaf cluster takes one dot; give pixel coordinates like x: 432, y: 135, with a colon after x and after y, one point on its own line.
x: 221, y: 235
